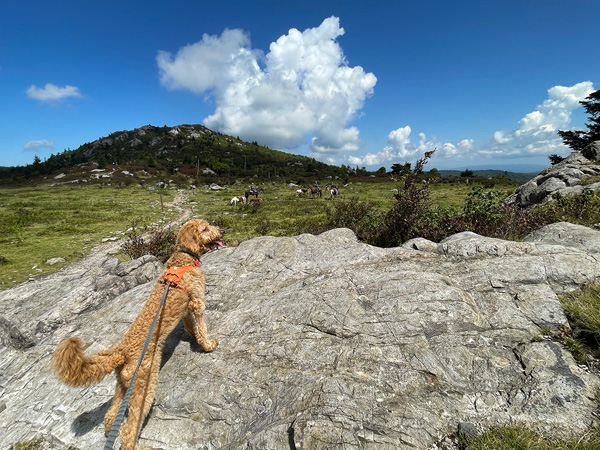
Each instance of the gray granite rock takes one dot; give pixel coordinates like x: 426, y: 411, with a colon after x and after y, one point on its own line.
x: 565, y: 178
x: 325, y: 343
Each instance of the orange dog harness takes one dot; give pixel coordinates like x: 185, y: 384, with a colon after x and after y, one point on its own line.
x: 174, y: 273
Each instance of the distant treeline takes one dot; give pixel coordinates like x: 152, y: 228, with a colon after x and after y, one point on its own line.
x: 189, y: 150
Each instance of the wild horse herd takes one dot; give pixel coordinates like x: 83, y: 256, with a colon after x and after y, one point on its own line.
x: 314, y: 191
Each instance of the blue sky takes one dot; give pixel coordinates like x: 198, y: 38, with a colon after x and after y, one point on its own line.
x: 487, y: 83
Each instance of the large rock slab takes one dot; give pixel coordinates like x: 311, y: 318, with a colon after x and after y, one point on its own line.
x: 325, y: 343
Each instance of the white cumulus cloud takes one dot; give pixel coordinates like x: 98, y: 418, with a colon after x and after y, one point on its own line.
x: 52, y: 93
x: 34, y: 145
x: 302, y: 89
x: 401, y: 149
x: 536, y: 132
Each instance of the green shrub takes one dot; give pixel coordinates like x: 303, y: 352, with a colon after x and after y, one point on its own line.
x: 159, y: 242
x: 583, y: 209
x: 405, y: 219
x: 360, y: 216
x: 263, y: 227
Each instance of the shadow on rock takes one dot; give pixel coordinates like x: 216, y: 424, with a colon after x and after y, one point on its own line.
x: 87, y: 421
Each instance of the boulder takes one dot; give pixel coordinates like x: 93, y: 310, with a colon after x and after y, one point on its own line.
x: 566, y: 178
x: 325, y: 343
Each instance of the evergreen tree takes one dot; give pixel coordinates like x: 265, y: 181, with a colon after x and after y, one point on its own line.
x: 577, y: 139
x: 555, y: 159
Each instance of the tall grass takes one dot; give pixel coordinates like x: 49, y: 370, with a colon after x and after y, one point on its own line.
x: 583, y: 307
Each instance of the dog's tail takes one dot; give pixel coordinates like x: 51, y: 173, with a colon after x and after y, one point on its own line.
x: 72, y: 367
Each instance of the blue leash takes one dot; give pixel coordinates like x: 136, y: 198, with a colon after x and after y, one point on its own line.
x: 112, y: 436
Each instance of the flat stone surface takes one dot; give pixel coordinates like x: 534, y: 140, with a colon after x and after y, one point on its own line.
x: 325, y: 343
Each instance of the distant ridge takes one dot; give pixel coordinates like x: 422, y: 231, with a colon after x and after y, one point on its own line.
x: 520, y: 177
x: 517, y: 168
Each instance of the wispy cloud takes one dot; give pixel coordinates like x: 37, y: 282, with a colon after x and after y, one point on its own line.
x: 302, y: 89
x: 535, y: 134
x: 34, y: 145
x: 51, y: 93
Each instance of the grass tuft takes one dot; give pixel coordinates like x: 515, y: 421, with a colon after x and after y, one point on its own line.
x: 518, y: 437
x: 583, y: 307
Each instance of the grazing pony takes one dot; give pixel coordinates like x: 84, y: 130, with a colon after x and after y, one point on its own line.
x: 235, y: 200
x: 333, y: 191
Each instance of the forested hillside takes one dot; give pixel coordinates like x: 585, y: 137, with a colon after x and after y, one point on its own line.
x: 186, y: 149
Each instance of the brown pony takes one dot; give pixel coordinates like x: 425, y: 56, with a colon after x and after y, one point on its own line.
x: 315, y: 191
x: 257, y: 191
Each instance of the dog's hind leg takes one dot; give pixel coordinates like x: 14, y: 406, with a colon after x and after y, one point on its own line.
x: 151, y: 389
x: 140, y: 402
x: 120, y: 390
x: 131, y: 429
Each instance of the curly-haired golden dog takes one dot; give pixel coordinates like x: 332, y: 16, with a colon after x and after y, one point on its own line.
x: 186, y: 301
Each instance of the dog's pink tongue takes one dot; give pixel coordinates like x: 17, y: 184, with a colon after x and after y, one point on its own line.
x: 219, y: 243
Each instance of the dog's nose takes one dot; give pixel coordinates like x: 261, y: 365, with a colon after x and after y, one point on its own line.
x: 222, y: 232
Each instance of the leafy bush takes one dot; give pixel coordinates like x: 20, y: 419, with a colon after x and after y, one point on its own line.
x: 405, y: 219
x: 159, y: 242
x: 263, y: 227
x: 359, y: 215
x: 584, y: 208
x: 413, y: 215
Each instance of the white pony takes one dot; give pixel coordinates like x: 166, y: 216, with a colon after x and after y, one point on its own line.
x: 333, y: 191
x: 235, y: 200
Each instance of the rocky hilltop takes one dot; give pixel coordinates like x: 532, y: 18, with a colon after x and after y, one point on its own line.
x: 567, y: 178
x: 325, y: 343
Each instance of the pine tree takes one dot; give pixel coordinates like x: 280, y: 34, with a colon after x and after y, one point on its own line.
x: 577, y: 139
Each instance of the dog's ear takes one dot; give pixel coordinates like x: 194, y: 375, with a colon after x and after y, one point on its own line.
x: 189, y: 237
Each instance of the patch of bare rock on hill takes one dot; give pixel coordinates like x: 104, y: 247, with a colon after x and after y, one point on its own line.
x: 325, y: 343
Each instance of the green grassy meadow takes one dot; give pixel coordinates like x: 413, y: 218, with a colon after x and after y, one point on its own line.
x: 66, y: 221
x: 42, y: 222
